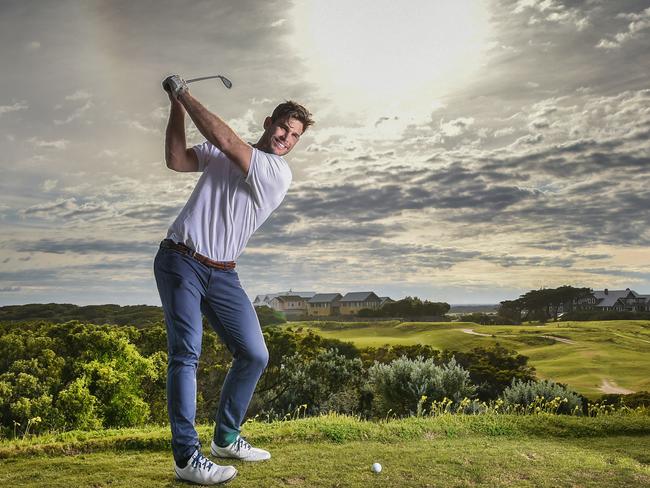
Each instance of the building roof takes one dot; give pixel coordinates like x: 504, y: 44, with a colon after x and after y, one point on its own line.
x: 289, y: 298
x: 612, y: 296
x: 360, y: 296
x: 303, y: 294
x: 265, y: 298
x: 270, y: 296
x: 325, y: 297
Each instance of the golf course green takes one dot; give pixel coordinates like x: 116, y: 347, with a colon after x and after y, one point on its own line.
x: 591, y: 357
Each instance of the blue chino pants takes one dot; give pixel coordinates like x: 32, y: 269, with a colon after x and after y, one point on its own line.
x: 187, y: 289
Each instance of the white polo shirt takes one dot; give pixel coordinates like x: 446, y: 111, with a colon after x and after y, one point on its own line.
x: 226, y: 207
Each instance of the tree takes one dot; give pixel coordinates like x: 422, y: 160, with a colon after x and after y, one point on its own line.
x: 542, y: 304
x: 493, y: 369
x: 414, y: 307
x: 511, y: 310
x: 268, y: 316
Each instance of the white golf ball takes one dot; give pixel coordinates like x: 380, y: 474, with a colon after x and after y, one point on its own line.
x: 376, y: 467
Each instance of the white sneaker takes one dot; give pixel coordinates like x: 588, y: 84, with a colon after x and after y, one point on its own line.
x: 240, y: 449
x: 202, y: 471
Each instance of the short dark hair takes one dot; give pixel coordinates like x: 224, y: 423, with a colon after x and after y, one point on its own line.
x: 293, y: 110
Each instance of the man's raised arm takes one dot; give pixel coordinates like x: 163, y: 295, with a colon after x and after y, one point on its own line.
x: 177, y: 155
x: 217, y: 132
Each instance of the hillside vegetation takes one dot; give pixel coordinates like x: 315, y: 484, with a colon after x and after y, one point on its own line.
x: 138, y: 315
x: 583, y: 355
x: 448, y: 404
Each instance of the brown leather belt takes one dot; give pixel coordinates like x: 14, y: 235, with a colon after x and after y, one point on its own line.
x: 177, y: 246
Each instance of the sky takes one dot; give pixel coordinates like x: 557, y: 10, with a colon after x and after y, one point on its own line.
x: 464, y: 151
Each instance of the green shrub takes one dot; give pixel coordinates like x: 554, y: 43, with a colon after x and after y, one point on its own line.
x: 399, y: 386
x: 78, y: 406
x: 542, y: 394
x: 267, y: 316
x: 493, y: 369
x: 631, y: 400
x: 327, y: 381
x: 390, y: 352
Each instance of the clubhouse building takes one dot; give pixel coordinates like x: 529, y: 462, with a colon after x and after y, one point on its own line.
x: 311, y: 304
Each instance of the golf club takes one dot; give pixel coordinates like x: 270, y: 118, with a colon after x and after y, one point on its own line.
x: 226, y: 82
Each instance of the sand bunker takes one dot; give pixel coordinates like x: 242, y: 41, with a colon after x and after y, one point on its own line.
x: 471, y: 331
x: 608, y: 386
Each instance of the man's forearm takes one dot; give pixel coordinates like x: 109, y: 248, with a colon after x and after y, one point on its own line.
x: 216, y: 131
x: 211, y: 126
x: 175, y: 143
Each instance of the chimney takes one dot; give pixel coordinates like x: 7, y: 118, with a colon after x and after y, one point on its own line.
x: 606, y: 291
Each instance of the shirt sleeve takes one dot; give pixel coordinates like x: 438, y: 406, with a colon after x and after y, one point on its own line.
x: 205, y: 153
x: 269, y: 178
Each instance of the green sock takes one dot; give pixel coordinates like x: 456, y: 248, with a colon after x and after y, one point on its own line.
x: 227, y: 439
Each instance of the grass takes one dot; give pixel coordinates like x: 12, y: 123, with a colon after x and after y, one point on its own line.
x: 334, y: 450
x: 615, y: 350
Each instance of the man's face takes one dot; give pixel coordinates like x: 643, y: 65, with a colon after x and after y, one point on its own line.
x: 280, y: 136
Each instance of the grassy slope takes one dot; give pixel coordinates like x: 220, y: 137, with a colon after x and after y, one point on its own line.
x: 618, y: 351
x: 338, y: 451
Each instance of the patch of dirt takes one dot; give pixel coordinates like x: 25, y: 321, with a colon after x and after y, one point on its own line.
x: 608, y: 386
x: 559, y: 339
x: 631, y: 338
x: 531, y: 456
x: 430, y: 436
x: 294, y: 481
x: 471, y: 331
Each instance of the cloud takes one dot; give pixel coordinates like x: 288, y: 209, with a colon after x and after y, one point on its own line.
x: 260, y: 101
x: 278, y: 22
x: 76, y: 114
x: 137, y: 125
x: 33, y: 45
x: 528, y: 140
x: 456, y: 127
x: 57, y: 144
x: 5, y: 109
x: 505, y: 131
x: 552, y: 11
x: 247, y: 126
x: 85, y: 246
x: 543, y: 185
x: 78, y: 95
x: 10, y: 289
x: 64, y: 209
x: 119, y: 271
x: 638, y: 23
x: 49, y: 185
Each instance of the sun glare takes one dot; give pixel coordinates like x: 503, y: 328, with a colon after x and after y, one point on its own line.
x: 390, y: 53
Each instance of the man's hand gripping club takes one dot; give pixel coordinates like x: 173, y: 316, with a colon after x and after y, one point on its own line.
x: 215, y: 130
x: 175, y: 85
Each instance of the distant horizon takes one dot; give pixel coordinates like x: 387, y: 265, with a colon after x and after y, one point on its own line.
x: 153, y: 305
x: 454, y: 304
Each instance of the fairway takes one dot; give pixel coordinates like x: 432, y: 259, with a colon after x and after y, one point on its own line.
x: 338, y: 451
x: 435, y: 463
x: 588, y: 356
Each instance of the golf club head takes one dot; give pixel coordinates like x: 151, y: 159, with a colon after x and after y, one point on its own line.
x: 226, y: 82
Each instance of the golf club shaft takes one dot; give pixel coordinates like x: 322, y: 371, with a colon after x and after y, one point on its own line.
x: 203, y: 78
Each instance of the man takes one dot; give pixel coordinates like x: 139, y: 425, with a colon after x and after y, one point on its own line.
x: 240, y: 186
